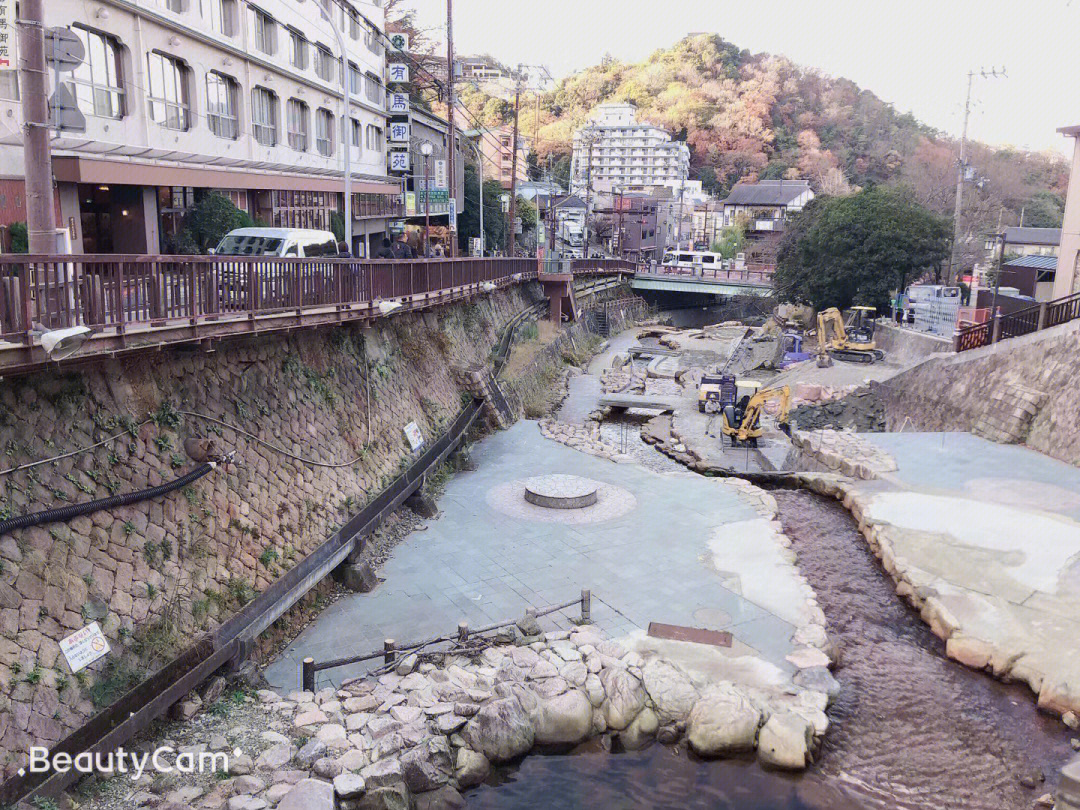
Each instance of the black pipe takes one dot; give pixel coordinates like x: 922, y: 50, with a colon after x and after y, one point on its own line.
x: 65, y: 513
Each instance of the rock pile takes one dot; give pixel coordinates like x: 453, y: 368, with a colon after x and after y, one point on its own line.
x: 861, y: 410
x: 844, y: 452
x: 625, y: 379
x: 585, y: 438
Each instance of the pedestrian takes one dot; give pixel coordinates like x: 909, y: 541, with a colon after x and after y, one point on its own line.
x: 343, y: 251
x: 402, y: 249
x: 385, y: 251
x: 439, y: 251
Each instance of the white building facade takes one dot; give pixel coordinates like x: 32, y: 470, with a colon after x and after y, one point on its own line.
x: 186, y: 96
x: 618, y: 153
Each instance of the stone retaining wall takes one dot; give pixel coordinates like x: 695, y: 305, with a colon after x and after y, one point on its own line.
x: 156, y: 574
x: 1018, y: 390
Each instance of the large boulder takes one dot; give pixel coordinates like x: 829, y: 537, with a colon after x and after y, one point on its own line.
x: 309, y: 794
x: 625, y: 697
x: 445, y: 798
x: 671, y: 690
x: 638, y: 733
x: 390, y: 797
x: 501, y: 730
x: 723, y: 721
x: 565, y: 718
x: 785, y: 740
x: 472, y: 768
x: 428, y: 766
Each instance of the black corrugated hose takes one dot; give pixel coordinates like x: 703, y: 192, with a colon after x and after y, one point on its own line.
x: 65, y: 513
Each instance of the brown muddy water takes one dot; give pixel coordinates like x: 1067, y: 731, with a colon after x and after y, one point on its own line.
x: 911, y: 730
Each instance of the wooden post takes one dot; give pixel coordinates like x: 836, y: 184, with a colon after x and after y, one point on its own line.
x: 586, y: 606
x: 463, y: 631
x: 1042, y: 316
x: 389, y: 655
x: 308, y: 684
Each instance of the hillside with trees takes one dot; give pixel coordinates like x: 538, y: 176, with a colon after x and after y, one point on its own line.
x: 753, y: 116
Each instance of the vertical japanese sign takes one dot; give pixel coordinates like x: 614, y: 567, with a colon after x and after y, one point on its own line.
x: 7, y: 34
x: 398, y: 72
x: 399, y: 104
x: 440, y: 174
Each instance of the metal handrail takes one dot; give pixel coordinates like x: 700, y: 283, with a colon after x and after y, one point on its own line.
x: 1021, y: 322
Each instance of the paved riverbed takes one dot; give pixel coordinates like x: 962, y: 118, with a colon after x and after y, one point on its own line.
x: 673, y: 548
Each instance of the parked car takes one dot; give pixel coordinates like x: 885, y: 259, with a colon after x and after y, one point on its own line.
x: 276, y: 285
x: 300, y: 242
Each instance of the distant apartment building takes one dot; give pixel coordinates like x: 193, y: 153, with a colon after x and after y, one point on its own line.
x: 182, y: 97
x: 497, y: 147
x: 1067, y: 277
x: 618, y: 153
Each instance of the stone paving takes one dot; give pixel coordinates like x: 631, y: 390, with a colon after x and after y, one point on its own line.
x: 983, y: 539
x: 689, y: 551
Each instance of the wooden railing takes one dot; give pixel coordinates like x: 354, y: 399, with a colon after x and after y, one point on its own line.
x: 117, y: 292
x: 1022, y: 322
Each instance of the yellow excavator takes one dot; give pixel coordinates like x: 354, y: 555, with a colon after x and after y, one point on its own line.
x: 853, y: 341
x: 741, y: 420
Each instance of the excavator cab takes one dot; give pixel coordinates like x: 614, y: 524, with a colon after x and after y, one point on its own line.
x: 742, y: 419
x: 852, y: 341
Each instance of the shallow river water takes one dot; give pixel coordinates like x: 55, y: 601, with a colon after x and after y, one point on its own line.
x: 910, y: 731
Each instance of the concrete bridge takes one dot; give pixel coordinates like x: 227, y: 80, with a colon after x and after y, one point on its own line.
x: 717, y: 283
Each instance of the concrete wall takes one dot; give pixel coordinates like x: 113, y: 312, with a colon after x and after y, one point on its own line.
x: 157, y: 574
x: 1018, y: 390
x: 906, y: 346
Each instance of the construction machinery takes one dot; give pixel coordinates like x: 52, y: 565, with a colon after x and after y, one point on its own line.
x: 852, y: 341
x: 715, y: 391
x: 741, y: 420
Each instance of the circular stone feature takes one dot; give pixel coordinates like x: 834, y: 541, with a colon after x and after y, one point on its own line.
x: 560, y: 491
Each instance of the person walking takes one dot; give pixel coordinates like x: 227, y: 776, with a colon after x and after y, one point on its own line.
x: 385, y: 250
x: 402, y: 249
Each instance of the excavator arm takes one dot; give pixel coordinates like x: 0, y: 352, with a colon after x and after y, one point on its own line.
x: 751, y: 418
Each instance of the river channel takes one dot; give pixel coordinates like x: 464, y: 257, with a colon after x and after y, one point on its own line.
x: 911, y: 729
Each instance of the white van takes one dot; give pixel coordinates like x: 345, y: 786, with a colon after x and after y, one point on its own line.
x: 300, y: 242
x: 693, y: 261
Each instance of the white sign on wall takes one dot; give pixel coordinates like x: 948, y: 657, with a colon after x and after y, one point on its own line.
x: 399, y: 131
x: 84, y: 647
x: 399, y: 104
x: 7, y: 34
x: 399, y: 161
x: 414, y: 436
x: 398, y: 72
x: 440, y: 174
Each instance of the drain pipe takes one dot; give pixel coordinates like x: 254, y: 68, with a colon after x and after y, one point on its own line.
x: 66, y: 513
x: 1068, y: 794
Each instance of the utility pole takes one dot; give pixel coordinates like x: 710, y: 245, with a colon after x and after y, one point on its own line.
x: 512, y: 214
x: 591, y: 136
x: 959, y: 204
x: 452, y: 135
x: 34, y: 85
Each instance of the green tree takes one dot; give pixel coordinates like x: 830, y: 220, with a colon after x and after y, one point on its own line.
x: 20, y: 239
x: 527, y: 211
x: 469, y: 218
x: 856, y: 250
x: 560, y: 172
x: 532, y: 166
x: 337, y: 225
x: 731, y: 241
x: 213, y: 216
x: 1044, y: 209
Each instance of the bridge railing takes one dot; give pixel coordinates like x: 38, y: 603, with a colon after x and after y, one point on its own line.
x: 118, y: 291
x: 751, y: 274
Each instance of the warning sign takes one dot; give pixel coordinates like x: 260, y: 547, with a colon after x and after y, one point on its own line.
x: 413, y: 434
x: 84, y: 647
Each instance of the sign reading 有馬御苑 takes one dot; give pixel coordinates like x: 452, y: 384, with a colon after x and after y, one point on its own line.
x: 399, y: 161
x: 84, y: 647
x: 398, y: 72
x: 399, y: 131
x: 7, y: 34
x: 399, y: 104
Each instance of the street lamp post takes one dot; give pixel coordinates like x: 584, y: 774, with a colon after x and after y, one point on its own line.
x: 346, y: 142
x: 425, y: 150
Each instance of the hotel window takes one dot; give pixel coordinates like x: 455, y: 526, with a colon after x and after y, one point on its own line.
x: 354, y: 24
x: 298, y: 50
x: 176, y: 6
x: 371, y: 40
x: 221, y: 14
x: 355, y: 81
x: 221, y: 105
x: 373, y: 138
x: 264, y: 116
x: 355, y: 133
x: 265, y: 31
x: 373, y: 89
x: 324, y: 132
x: 97, y: 79
x: 324, y: 63
x: 167, y: 91
x: 298, y: 124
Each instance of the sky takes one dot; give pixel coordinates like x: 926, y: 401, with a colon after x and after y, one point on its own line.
x: 915, y: 55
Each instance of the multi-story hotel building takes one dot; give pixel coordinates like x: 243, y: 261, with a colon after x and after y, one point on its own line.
x: 185, y: 96
x: 617, y: 153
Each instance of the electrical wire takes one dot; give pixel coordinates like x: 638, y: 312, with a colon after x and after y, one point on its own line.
x: 73, y: 452
x: 273, y: 447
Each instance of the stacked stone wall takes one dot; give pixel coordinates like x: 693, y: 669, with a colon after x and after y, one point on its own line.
x: 1019, y: 390
x: 156, y: 574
